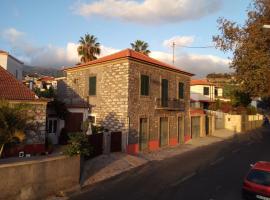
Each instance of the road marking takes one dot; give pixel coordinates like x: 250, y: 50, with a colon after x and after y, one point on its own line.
x: 217, y: 161
x: 236, y: 150
x: 183, y: 179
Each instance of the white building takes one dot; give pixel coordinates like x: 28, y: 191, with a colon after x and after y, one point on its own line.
x: 11, y: 64
x: 202, y: 93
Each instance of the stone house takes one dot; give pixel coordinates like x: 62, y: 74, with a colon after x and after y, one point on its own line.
x: 14, y: 92
x: 144, y: 99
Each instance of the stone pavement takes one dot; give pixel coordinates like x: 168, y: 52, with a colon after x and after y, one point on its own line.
x: 106, y: 166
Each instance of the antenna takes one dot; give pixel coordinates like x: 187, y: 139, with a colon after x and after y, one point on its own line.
x: 173, y: 46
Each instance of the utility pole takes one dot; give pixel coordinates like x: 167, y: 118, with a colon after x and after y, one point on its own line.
x: 173, y: 46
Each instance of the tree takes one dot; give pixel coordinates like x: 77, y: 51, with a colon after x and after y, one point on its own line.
x: 89, y: 48
x: 250, y: 45
x: 14, y: 122
x: 140, y: 46
x: 47, y: 93
x: 240, y: 99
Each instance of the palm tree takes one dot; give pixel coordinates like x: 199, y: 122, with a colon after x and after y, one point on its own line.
x: 141, y: 46
x: 14, y: 122
x: 89, y: 48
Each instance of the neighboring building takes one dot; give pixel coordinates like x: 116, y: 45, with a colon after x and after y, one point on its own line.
x: 202, y: 93
x: 46, y: 82
x: 15, y: 92
x: 11, y: 64
x: 30, y: 80
x: 128, y: 92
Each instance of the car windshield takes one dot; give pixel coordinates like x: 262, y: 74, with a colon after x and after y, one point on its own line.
x: 259, y: 177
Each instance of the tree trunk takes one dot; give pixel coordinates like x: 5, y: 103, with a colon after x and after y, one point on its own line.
x: 1, y: 150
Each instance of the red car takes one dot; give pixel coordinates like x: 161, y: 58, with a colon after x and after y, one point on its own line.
x: 257, y: 182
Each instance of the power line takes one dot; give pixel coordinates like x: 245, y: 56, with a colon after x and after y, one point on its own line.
x: 201, y: 47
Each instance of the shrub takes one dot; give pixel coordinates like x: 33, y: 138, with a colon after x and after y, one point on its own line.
x: 78, y: 145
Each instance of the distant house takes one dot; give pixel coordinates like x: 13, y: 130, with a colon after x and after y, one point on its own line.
x: 143, y: 100
x: 11, y: 64
x: 46, y: 82
x: 15, y: 92
x: 202, y: 93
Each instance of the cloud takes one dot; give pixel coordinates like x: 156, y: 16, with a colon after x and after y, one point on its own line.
x: 54, y: 56
x: 149, y: 11
x: 179, y: 41
x: 48, y: 55
x: 200, y: 65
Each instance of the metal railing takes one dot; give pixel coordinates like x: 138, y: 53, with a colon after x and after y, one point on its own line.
x: 170, y: 104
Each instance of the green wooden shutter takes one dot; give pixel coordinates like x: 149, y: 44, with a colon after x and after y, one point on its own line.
x: 92, y: 85
x: 164, y: 92
x: 181, y: 90
x: 144, y: 85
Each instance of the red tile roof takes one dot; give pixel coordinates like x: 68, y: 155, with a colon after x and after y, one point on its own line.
x: 46, y: 78
x: 200, y: 82
x: 12, y: 89
x: 128, y: 53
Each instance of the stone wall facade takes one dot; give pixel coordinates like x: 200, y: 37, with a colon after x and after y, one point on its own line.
x: 37, y: 110
x: 118, y: 105
x: 145, y: 106
x: 110, y: 104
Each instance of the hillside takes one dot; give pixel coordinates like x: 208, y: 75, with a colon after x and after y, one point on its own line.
x: 46, y: 71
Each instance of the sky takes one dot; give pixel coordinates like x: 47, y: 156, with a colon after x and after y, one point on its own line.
x: 46, y: 32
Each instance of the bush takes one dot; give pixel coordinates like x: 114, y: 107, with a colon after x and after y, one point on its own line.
x: 78, y: 145
x: 251, y: 110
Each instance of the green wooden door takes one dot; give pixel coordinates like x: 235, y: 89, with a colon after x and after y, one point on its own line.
x: 164, y: 131
x: 143, y: 137
x: 195, y: 127
x: 181, y: 129
x: 164, y: 92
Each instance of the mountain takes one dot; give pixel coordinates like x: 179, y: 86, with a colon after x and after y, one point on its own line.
x: 46, y: 71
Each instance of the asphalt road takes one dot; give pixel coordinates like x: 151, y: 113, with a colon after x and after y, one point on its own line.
x: 213, y: 172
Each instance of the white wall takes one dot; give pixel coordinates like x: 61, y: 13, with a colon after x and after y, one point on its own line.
x: 11, y: 65
x: 220, y: 92
x: 199, y: 89
x: 3, y: 60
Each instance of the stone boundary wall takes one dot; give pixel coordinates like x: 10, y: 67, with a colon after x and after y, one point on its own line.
x: 241, y: 123
x: 38, y: 179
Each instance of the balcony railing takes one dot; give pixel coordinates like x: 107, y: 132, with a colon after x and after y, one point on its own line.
x: 170, y: 104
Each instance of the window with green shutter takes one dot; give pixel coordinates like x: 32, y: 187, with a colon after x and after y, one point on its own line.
x: 181, y: 90
x: 92, y: 85
x: 144, y: 85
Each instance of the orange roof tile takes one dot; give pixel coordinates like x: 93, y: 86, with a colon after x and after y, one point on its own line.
x: 128, y: 53
x: 200, y: 82
x: 12, y: 89
x: 46, y: 78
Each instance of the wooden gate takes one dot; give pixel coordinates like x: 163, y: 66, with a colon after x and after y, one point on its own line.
x: 73, y: 122
x: 195, y: 127
x: 164, y: 131
x: 96, y: 142
x: 116, y: 141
